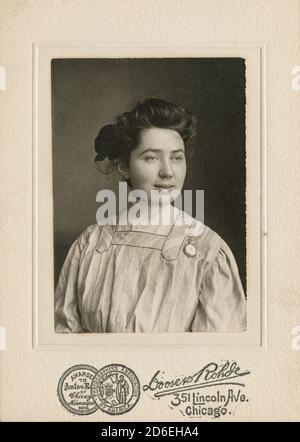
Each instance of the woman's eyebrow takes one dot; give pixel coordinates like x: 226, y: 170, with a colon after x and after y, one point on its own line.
x: 160, y: 150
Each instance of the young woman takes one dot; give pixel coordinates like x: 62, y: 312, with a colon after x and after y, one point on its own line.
x: 145, y: 277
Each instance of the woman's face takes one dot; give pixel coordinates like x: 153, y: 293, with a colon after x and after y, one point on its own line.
x: 158, y: 162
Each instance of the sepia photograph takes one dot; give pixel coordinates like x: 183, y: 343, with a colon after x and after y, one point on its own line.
x: 149, y: 194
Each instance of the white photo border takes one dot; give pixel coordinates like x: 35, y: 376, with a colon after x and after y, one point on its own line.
x: 43, y: 334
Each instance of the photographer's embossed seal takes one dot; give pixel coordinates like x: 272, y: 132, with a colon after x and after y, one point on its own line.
x: 115, y: 389
x: 74, y: 389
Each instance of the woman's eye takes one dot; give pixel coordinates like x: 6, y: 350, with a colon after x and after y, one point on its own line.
x: 150, y: 158
x: 178, y: 158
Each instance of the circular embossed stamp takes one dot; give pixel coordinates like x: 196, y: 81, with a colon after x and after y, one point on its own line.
x: 74, y: 389
x: 115, y: 389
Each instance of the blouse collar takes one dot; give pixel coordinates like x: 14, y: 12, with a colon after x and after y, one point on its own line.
x: 183, y: 226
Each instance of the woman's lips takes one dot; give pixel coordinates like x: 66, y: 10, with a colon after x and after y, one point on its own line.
x: 164, y: 186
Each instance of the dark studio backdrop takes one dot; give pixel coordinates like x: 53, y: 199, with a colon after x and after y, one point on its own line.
x: 89, y: 93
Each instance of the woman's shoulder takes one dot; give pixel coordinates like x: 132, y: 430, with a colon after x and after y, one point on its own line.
x: 208, y: 242
x: 212, y: 249
x: 203, y: 234
x: 90, y: 236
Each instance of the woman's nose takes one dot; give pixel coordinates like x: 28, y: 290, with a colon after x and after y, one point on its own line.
x: 166, y: 170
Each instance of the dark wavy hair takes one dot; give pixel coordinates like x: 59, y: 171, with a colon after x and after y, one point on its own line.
x: 116, y: 141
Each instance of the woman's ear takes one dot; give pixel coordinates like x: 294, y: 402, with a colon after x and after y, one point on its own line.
x: 123, y: 170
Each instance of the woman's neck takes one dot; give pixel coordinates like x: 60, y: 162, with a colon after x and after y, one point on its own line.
x: 143, y: 214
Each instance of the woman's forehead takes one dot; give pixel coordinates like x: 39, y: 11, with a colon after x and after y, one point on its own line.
x: 160, y: 138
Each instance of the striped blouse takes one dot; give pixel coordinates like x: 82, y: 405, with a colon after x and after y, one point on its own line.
x: 138, y: 278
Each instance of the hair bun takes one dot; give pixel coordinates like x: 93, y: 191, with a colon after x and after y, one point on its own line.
x: 107, y: 143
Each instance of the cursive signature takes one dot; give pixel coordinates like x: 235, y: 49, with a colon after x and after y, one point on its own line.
x: 211, y: 374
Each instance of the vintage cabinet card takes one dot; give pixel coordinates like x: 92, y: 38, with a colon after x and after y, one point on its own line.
x: 149, y: 223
